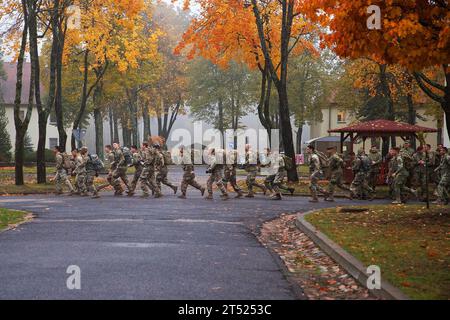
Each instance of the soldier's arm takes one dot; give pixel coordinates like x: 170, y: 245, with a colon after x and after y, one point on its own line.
x: 122, y: 161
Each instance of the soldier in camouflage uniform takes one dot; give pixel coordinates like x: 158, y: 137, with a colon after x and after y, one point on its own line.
x: 148, y: 176
x: 91, y: 174
x: 399, y: 175
x: 215, y: 171
x: 277, y: 173
x: 336, y: 165
x: 444, y: 183
x: 360, y: 187
x: 422, y: 167
x: 161, y: 177
x: 188, y: 175
x: 80, y: 171
x: 407, y: 153
x: 376, y: 160
x: 137, y: 164
x: 229, y: 174
x: 251, y: 166
x: 120, y: 171
x: 316, y: 172
x: 112, y: 167
x: 61, y: 177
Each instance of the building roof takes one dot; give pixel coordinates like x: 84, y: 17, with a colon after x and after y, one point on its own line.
x: 383, y: 127
x: 8, y: 87
x: 326, y: 139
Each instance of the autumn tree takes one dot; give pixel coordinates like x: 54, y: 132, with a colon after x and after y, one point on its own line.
x: 264, y: 35
x: 413, y: 34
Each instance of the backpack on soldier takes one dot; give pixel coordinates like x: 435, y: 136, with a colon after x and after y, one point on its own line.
x: 366, y: 164
x: 323, y: 159
x: 67, y: 162
x: 127, y: 155
x: 167, y: 157
x: 94, y: 163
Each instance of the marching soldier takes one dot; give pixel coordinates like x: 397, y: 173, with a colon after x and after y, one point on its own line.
x: 138, y: 167
x: 399, y: 175
x: 188, y: 175
x: 80, y: 171
x: 215, y: 170
x: 274, y: 181
x: 121, y: 166
x: 251, y: 166
x: 91, y: 174
x: 375, y: 168
x: 316, y: 174
x: 148, y: 175
x: 361, y: 167
x: 112, y: 167
x: 444, y: 183
x: 61, y: 177
x: 161, y: 177
x: 229, y: 174
x: 336, y: 165
x: 420, y: 171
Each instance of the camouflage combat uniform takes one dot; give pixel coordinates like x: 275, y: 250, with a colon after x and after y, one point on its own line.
x: 109, y: 178
x: 375, y: 159
x: 161, y: 177
x: 444, y: 183
x: 337, y: 175
x: 148, y: 176
x: 91, y: 173
x: 274, y: 181
x: 189, y: 179
x: 80, y: 171
x: 360, y: 186
x: 420, y: 172
x: 251, y: 166
x: 215, y: 176
x: 229, y: 173
x: 137, y: 164
x: 316, y: 174
x: 61, y: 177
x: 120, y: 171
x: 400, y: 176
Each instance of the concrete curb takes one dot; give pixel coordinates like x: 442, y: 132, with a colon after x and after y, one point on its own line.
x: 352, y: 265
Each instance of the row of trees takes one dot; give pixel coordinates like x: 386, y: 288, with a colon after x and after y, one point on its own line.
x: 269, y: 35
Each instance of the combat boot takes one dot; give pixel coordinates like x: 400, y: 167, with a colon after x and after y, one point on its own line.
x: 276, y: 196
x: 239, y: 195
x: 329, y: 199
x: 202, y: 190
x: 209, y: 197
x: 95, y: 196
x: 265, y: 191
x: 225, y: 196
x: 314, y: 200
x: 175, y: 190
x: 397, y: 201
x: 183, y: 196
x: 250, y: 195
x: 291, y: 190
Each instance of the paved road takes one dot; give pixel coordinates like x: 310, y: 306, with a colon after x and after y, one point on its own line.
x: 142, y: 248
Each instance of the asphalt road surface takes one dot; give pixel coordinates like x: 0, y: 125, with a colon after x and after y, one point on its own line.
x: 133, y: 248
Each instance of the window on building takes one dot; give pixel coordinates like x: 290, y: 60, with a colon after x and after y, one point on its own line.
x: 341, y: 117
x: 52, y: 142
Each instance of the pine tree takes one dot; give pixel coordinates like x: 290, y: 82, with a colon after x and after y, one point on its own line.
x: 5, y: 141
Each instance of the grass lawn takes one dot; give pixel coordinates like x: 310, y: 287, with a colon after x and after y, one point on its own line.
x: 410, y: 244
x: 10, y: 217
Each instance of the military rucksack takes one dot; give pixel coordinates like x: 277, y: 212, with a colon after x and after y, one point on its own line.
x: 67, y: 162
x: 94, y: 163
x: 323, y: 159
x: 127, y: 155
x: 167, y: 157
x: 366, y: 164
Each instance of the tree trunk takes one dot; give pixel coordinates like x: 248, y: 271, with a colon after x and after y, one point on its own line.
x: 98, y: 123
x: 221, y: 123
x: 56, y: 62
x: 411, y: 117
x: 299, y: 139
x: 116, y: 128
x: 84, y: 97
x: 42, y: 113
x: 146, y: 120
x: 111, y: 126
x: 19, y: 124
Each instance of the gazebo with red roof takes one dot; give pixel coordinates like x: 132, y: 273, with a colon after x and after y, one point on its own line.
x: 379, y: 128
